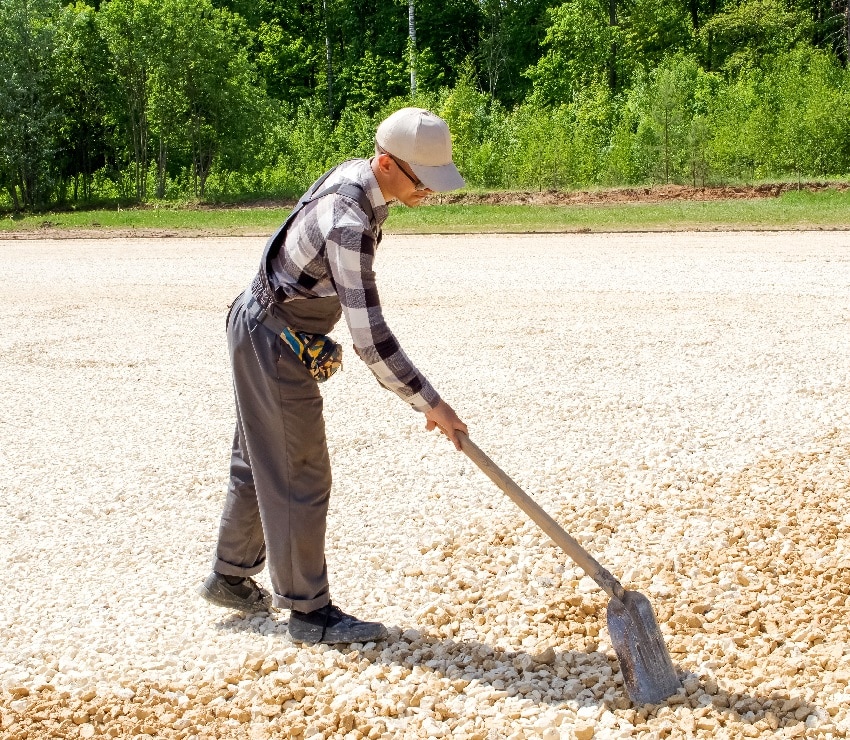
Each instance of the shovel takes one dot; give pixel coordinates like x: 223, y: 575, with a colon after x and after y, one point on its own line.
x: 648, y: 672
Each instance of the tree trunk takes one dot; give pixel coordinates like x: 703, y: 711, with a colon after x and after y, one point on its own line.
x: 143, y: 185
x: 204, y: 151
x: 847, y: 34
x: 140, y: 148
x: 206, y: 156
x: 161, y: 167
x: 411, y: 29
x: 328, y: 60
x: 13, y: 194
x: 612, y: 61
x: 494, y: 47
x: 137, y: 99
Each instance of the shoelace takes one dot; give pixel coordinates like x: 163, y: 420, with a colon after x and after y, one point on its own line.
x: 256, y: 588
x: 331, y: 611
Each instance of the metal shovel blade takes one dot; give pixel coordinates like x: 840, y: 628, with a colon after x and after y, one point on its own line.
x: 647, y: 669
x: 648, y: 672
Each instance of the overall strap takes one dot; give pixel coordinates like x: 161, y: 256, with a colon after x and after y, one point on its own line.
x: 261, y: 286
x: 347, y: 189
x: 353, y: 192
x: 276, y: 240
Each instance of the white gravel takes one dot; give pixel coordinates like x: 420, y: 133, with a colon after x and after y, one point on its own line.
x: 679, y: 402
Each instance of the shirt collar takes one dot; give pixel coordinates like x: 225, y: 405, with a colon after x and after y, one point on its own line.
x: 373, y: 192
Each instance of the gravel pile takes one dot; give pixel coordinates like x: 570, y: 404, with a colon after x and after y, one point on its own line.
x: 679, y: 403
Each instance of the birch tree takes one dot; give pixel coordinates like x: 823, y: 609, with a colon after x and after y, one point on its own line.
x: 411, y: 47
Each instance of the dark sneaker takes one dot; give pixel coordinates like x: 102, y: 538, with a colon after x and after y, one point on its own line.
x: 243, y: 596
x: 330, y: 624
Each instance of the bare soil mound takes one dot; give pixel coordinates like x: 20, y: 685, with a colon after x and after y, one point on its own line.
x: 653, y: 194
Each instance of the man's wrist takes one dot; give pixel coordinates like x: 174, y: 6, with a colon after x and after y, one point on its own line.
x: 430, y: 403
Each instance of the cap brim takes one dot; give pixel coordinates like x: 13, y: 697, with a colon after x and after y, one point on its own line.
x: 440, y: 179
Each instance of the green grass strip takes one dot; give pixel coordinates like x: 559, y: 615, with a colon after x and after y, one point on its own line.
x: 227, y: 220
x: 792, y: 210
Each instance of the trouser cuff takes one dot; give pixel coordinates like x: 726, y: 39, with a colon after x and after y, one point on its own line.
x: 228, y: 569
x: 301, y: 605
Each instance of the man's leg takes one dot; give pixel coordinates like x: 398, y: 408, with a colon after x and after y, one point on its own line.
x: 241, y: 549
x: 280, y: 476
x: 282, y: 439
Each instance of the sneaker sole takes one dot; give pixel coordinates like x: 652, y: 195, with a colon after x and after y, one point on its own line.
x: 310, y: 642
x: 230, y: 603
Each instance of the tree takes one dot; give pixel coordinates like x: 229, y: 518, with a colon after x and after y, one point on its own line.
x: 29, y: 119
x: 667, y: 116
x: 812, y: 133
x: 210, y: 82
x: 668, y: 109
x: 449, y: 29
x: 369, y: 81
x: 510, y: 38
x: 744, y: 35
x: 578, y: 44
x: 329, y: 69
x: 189, y: 86
x: 698, y: 135
x: 166, y: 104
x: 830, y: 29
x: 293, y: 45
x: 411, y: 32
x: 84, y: 90
x: 131, y: 30
x: 465, y: 111
x: 651, y: 31
x: 593, y: 122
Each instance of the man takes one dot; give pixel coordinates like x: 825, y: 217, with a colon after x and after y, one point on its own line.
x: 317, y: 267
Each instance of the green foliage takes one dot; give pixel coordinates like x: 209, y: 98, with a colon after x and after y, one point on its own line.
x: 509, y: 43
x: 578, y: 45
x: 29, y: 120
x: 84, y: 90
x: 807, y: 95
x: 541, y: 150
x: 430, y: 76
x: 289, y: 63
x: 189, y: 92
x: 465, y: 111
x: 449, y: 29
x: 743, y: 35
x: 594, y: 41
x: 652, y: 30
x: 672, y: 128
x: 219, y: 99
x: 369, y: 82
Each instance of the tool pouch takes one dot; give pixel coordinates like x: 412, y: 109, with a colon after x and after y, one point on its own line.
x: 321, y: 355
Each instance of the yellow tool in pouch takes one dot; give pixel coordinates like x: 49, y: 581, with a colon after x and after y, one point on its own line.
x: 321, y: 355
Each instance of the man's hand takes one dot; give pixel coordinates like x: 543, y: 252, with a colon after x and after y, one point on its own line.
x: 444, y: 417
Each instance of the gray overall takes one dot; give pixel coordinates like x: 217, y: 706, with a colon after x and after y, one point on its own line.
x: 280, y: 476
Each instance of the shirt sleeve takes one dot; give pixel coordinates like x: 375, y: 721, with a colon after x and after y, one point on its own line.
x: 350, y: 251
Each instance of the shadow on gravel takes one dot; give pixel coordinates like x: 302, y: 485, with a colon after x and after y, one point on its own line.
x: 558, y: 676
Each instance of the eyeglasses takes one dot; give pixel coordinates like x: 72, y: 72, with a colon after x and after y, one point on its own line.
x: 417, y: 183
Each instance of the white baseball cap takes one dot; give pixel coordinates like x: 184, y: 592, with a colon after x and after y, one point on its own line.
x: 422, y: 139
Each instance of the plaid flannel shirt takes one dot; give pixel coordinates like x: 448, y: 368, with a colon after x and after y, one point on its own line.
x: 330, y: 246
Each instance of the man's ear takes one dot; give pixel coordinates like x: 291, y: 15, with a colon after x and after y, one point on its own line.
x: 384, y: 162
x: 382, y: 167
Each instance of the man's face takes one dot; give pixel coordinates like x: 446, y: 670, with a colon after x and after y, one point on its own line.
x: 407, y: 188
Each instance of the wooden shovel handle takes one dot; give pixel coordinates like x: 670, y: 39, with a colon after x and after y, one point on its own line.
x: 568, y: 544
